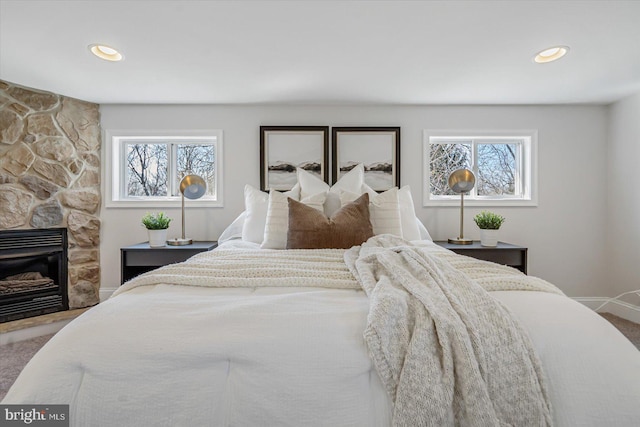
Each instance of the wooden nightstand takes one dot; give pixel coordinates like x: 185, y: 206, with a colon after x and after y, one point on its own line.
x: 505, y: 253
x: 140, y: 258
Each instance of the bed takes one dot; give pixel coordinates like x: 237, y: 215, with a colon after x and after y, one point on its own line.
x: 393, y: 331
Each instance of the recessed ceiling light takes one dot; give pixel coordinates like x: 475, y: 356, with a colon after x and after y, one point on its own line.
x: 551, y: 54
x: 105, y: 52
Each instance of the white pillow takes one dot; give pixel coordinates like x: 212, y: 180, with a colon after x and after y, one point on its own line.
x: 234, y: 230
x: 256, y: 205
x: 408, y: 218
x: 384, y: 211
x: 277, y: 224
x: 310, y: 184
x: 352, y: 181
x: 424, y: 233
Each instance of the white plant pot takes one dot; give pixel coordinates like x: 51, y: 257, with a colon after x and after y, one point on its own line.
x: 157, y: 238
x: 489, y: 237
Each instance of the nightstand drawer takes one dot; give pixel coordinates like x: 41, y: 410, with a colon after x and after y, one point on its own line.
x: 505, y: 257
x: 140, y: 258
x: 505, y: 253
x: 157, y: 257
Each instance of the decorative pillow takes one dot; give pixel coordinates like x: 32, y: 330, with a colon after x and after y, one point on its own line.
x: 351, y: 181
x: 310, y: 183
x: 424, y: 233
x: 275, y: 231
x: 311, y: 229
x: 256, y: 204
x: 383, y: 210
x: 408, y: 218
x: 234, y: 230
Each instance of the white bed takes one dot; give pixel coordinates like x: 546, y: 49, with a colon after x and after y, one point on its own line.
x: 171, y: 355
x: 244, y: 336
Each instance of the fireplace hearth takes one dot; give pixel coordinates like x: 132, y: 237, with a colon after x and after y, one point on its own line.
x: 33, y: 273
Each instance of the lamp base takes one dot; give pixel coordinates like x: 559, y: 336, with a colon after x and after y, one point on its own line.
x: 179, y: 242
x: 460, y: 241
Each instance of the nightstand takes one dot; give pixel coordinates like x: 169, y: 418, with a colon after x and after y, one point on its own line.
x: 505, y: 253
x: 140, y: 258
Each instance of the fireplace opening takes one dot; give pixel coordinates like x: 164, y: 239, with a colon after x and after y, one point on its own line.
x: 33, y: 273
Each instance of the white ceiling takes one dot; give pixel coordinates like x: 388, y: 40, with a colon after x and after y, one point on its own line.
x: 398, y: 52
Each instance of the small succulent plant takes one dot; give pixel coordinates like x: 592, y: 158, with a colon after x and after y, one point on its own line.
x: 156, y: 221
x: 486, y: 220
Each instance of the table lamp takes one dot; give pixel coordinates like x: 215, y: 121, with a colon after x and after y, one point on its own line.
x: 461, y: 181
x: 192, y: 187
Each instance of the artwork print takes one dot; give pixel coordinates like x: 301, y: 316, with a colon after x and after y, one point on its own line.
x: 376, y: 148
x: 285, y: 148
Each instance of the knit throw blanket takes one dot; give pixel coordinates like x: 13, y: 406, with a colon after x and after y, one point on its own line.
x: 447, y: 352
x: 253, y: 268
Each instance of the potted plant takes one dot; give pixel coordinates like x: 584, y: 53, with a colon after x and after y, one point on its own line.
x: 489, y: 224
x: 157, y: 225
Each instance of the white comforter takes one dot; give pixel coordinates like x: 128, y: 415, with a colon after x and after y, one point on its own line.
x: 167, y: 355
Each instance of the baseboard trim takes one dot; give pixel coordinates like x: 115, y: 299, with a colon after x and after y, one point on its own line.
x: 105, y: 294
x: 32, y: 332
x: 619, y: 308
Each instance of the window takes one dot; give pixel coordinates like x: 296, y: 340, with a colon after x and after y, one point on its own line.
x: 503, y: 163
x: 146, y: 168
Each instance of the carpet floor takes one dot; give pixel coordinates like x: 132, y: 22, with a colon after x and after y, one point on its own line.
x: 629, y: 329
x: 15, y: 356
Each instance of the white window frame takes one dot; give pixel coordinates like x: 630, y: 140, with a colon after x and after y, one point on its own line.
x: 115, y: 169
x: 527, y: 161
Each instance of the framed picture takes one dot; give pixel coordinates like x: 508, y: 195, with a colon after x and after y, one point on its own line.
x: 283, y: 149
x: 378, y: 148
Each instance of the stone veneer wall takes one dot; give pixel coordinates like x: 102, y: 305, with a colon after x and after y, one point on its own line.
x: 50, y: 176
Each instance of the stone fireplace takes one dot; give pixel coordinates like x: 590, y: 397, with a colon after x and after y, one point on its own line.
x: 50, y: 177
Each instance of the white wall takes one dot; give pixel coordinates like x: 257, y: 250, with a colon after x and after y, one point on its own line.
x: 623, y: 201
x: 564, y: 232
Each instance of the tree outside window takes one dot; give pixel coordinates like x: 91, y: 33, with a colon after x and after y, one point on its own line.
x: 146, y: 170
x: 496, y: 172
x: 199, y: 160
x: 446, y: 158
x: 149, y: 171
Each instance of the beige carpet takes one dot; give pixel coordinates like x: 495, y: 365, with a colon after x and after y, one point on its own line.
x: 629, y: 329
x: 13, y: 357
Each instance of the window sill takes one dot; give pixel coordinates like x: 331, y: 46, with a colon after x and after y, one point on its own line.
x: 480, y: 203
x: 173, y: 203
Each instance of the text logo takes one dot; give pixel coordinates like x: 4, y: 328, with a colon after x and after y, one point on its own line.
x: 34, y: 415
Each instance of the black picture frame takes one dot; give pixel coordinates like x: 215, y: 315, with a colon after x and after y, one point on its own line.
x: 283, y: 149
x: 377, y: 147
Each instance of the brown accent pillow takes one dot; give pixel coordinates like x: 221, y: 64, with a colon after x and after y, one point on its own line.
x: 311, y: 229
